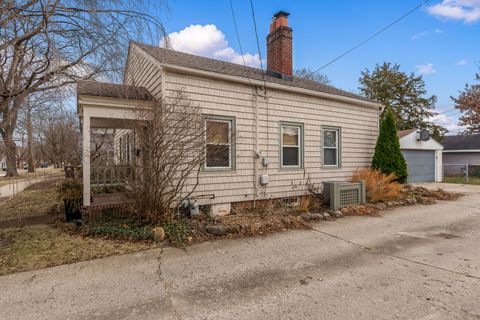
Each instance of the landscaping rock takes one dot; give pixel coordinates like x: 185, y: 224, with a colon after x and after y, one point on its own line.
x: 410, y: 200
x: 286, y: 220
x: 390, y: 204
x: 338, y: 214
x: 381, y: 206
x: 217, y: 230
x: 312, y: 216
x: 327, y: 216
x: 426, y: 200
x: 233, y: 228
x: 158, y: 234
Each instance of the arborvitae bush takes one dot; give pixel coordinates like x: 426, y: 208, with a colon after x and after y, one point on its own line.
x: 388, y: 157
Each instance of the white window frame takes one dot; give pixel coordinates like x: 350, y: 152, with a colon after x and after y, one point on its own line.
x: 299, y: 146
x: 231, y: 124
x: 336, y: 148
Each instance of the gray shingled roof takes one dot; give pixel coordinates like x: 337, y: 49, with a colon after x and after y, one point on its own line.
x: 462, y: 142
x: 111, y: 90
x: 186, y: 60
x: 403, y: 133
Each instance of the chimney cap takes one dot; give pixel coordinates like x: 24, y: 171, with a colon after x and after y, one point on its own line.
x: 281, y: 13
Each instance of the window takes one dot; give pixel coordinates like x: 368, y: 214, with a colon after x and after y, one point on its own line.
x: 219, y: 147
x: 331, y: 139
x: 291, y: 145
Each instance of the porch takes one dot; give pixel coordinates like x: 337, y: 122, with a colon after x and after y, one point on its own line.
x: 112, y: 108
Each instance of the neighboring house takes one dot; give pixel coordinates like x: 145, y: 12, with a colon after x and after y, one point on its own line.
x: 303, y: 132
x: 423, y: 155
x: 460, y: 150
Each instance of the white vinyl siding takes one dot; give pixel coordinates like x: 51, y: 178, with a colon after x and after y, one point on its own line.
x: 359, y: 130
x: 359, y: 134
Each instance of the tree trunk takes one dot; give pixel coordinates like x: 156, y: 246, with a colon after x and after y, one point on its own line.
x: 31, y: 167
x: 10, y: 151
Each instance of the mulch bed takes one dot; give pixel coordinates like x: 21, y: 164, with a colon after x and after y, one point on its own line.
x: 277, y: 216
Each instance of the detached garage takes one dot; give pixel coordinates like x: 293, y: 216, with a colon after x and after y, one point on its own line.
x: 422, y: 154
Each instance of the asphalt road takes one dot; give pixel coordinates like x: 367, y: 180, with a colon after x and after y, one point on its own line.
x: 418, y: 262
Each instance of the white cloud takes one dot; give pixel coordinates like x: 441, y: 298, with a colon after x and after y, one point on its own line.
x: 467, y: 11
x: 420, y: 35
x: 461, y: 62
x: 424, y: 69
x: 447, y: 121
x: 426, y: 33
x: 208, y: 41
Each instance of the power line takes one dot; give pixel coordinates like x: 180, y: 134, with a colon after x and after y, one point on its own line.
x: 258, y: 46
x: 371, y: 37
x: 445, y: 116
x: 263, y: 74
x: 239, y: 42
x: 446, y: 111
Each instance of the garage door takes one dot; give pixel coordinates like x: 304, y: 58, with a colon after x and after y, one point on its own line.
x: 420, y: 164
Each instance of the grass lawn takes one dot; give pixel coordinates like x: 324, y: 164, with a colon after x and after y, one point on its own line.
x: 28, y: 203
x: 36, y: 246
x: 42, y: 246
x: 471, y: 180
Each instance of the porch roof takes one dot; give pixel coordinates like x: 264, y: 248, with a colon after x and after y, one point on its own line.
x: 112, y: 90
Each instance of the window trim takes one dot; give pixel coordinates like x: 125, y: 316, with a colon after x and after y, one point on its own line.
x: 338, y: 148
x: 301, y: 144
x: 232, y: 142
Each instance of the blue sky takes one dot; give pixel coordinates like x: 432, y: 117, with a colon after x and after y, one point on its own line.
x: 440, y: 40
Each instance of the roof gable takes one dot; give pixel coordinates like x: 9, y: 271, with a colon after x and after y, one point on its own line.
x: 408, y: 140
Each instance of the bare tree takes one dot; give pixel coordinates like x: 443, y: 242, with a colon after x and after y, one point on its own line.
x: 309, y: 74
x: 47, y: 44
x: 37, y: 107
x: 60, y: 138
x: 102, y: 146
x: 172, y: 154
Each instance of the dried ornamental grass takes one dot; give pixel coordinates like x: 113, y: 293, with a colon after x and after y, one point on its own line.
x: 379, y: 186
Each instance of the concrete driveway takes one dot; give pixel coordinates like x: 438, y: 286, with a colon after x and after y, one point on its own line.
x: 420, y: 262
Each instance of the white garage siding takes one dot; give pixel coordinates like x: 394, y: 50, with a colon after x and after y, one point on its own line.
x: 410, y: 142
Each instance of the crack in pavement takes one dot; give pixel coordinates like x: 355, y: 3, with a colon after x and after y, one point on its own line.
x: 161, y: 279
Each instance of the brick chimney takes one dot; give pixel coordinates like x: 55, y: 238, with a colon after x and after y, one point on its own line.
x: 279, y: 47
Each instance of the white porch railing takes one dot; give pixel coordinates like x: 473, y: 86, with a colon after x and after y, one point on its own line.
x: 113, y: 175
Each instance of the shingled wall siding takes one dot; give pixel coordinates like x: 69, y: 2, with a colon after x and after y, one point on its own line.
x: 141, y: 71
x: 359, y: 127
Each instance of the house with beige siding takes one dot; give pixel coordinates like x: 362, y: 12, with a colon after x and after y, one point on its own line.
x: 282, y: 131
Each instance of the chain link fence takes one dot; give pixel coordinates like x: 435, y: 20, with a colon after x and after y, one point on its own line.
x: 462, y: 173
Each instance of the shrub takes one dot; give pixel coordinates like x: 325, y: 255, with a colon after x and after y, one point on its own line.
x: 380, y: 187
x: 388, y: 157
x: 178, y: 231
x: 304, y: 203
x: 70, y: 189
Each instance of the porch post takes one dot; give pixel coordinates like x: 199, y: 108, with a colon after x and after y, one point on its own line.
x: 86, y: 158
